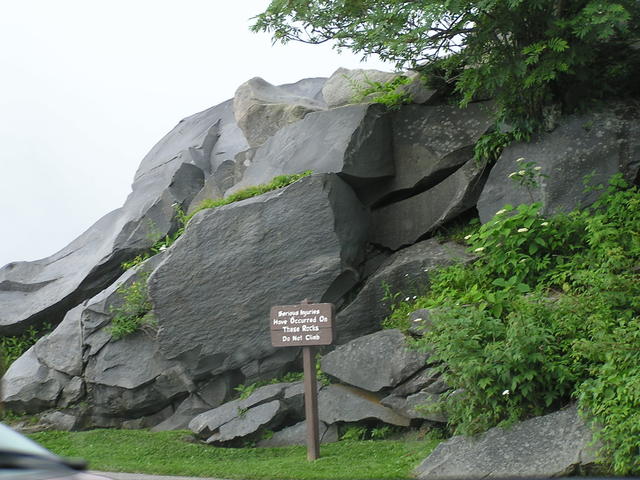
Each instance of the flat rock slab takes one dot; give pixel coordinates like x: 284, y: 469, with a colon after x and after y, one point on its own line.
x: 234, y: 262
x: 249, y: 422
x: 405, y: 222
x: 339, y: 403
x: 548, y: 446
x: 375, y: 361
x: 354, y: 141
x: 599, y: 144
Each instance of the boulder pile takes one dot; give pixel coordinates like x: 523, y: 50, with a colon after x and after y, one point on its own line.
x: 384, y: 181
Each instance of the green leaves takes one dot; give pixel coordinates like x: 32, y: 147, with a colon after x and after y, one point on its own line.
x: 525, y: 54
x: 549, y: 312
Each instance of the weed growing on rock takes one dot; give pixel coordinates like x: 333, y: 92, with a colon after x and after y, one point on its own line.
x: 390, y: 94
x: 549, y: 312
x: 278, y: 182
x: 135, y: 311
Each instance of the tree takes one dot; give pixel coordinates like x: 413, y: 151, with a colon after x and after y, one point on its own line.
x: 527, y: 54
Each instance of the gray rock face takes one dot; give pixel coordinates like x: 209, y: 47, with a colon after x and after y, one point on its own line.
x: 429, y: 144
x: 605, y: 143
x: 406, y: 271
x: 249, y: 422
x: 410, y: 406
x: 405, y: 222
x: 345, y: 86
x: 373, y: 362
x: 30, y: 387
x: 354, y: 141
x: 61, y: 350
x: 172, y: 172
x: 340, y: 403
x: 275, y: 249
x: 261, y: 109
x: 420, y: 380
x: 297, y: 435
x: 548, y: 446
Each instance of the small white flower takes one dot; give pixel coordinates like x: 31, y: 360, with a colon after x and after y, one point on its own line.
x: 163, y: 248
x: 500, y: 212
x: 544, y: 224
x: 506, y: 392
x: 521, y: 159
x: 513, y: 174
x: 415, y: 296
x: 174, y: 204
x: 522, y: 172
x: 479, y: 249
x: 523, y: 230
x: 407, y: 299
x: 417, y: 319
x: 537, y: 169
x: 466, y: 238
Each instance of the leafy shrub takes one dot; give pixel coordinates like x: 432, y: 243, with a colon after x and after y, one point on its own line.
x: 13, y: 347
x: 135, y: 311
x: 549, y: 312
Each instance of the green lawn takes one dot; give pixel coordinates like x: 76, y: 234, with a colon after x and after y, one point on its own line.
x: 171, y: 453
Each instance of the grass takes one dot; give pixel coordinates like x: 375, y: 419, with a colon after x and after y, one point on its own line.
x: 139, y: 451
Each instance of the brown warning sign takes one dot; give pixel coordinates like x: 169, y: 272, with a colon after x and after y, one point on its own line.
x: 302, y: 325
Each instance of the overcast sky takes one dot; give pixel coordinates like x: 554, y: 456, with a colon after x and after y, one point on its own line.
x: 87, y: 87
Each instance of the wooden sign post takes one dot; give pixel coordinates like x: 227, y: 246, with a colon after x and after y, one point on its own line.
x: 305, y: 325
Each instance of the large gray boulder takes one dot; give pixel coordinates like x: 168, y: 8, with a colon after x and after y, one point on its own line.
x: 549, y: 446
x: 233, y: 263
x: 599, y: 144
x: 340, y: 403
x: 404, y: 222
x: 130, y: 378
x: 28, y: 386
x: 345, y: 86
x: 405, y: 272
x: 429, y: 144
x: 171, y: 174
x: 354, y: 141
x: 374, y: 362
x: 261, y: 109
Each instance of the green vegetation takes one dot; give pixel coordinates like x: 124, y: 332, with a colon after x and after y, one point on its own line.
x: 135, y: 312
x: 146, y: 452
x: 529, y: 55
x: 548, y: 313
x: 12, y: 347
x: 389, y: 94
x: 278, y: 182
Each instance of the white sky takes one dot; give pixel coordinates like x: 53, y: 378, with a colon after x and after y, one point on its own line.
x: 87, y: 87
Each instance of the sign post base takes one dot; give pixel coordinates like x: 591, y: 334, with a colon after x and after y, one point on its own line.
x: 311, y: 403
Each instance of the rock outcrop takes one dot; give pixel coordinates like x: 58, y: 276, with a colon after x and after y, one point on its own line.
x: 583, y: 151
x: 361, y: 227
x: 550, y: 446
